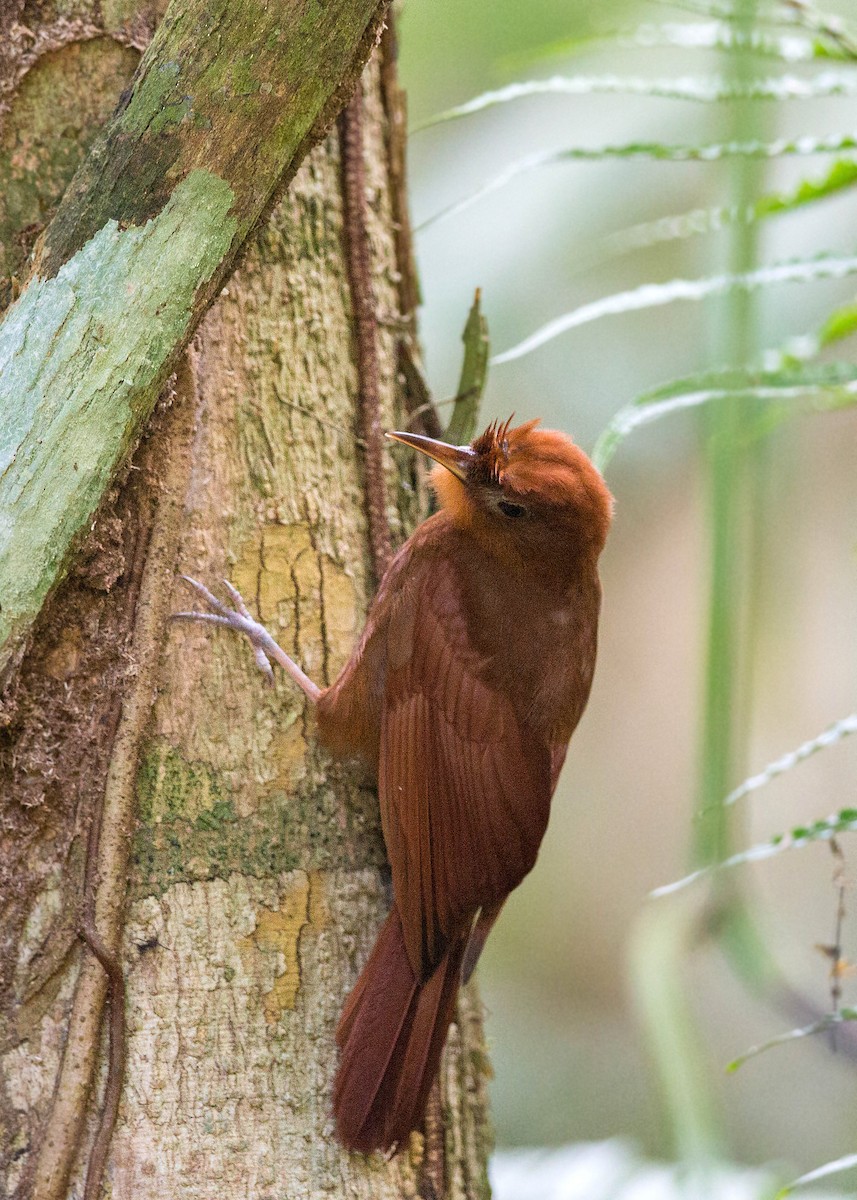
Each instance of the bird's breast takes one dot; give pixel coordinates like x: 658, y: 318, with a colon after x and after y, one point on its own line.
x: 538, y: 644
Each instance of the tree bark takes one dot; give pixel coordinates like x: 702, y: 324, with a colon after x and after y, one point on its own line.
x: 227, y: 100
x: 143, y: 756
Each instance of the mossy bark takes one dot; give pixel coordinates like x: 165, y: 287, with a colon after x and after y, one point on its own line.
x: 226, y: 101
x: 257, y: 874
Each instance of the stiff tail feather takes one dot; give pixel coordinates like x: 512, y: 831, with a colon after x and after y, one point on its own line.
x: 391, y: 1035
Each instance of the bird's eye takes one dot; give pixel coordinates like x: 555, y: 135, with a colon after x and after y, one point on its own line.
x: 508, y: 509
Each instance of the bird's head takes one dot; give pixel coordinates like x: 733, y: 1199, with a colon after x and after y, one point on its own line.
x: 526, y: 490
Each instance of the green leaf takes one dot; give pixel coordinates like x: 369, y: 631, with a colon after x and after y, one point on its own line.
x: 721, y: 35
x: 841, y: 323
x: 841, y: 175
x: 822, y: 830
x: 828, y: 1021
x: 471, y: 384
x: 827, y: 385
x: 717, y: 10
x: 832, y: 29
x: 828, y: 737
x: 701, y: 88
x: 848, y: 1163
x: 698, y: 35
x: 834, y: 143
x: 655, y: 295
x: 662, y: 939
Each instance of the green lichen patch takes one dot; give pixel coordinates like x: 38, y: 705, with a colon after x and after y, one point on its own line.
x: 81, y: 359
x: 189, y: 829
x: 170, y: 787
x: 157, y: 102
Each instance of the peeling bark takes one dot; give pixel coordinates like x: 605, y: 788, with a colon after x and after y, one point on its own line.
x: 258, y: 875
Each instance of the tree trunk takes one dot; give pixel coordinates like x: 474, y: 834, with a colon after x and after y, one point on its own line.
x: 225, y: 104
x: 149, y: 758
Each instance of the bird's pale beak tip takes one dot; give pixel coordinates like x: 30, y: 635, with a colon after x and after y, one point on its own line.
x: 454, y: 458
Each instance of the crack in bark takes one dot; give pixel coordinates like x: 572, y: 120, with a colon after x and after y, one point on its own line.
x: 296, y: 632
x: 322, y: 618
x: 260, y: 571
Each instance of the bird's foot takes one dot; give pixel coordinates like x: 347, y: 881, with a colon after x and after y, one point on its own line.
x: 241, y: 620
x: 238, y: 619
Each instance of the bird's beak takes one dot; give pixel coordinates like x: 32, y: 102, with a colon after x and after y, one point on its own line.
x: 455, y: 458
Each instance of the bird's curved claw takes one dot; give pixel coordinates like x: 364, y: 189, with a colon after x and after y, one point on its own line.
x: 240, y: 619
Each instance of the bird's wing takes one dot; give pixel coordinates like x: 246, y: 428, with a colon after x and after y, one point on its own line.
x: 464, y: 788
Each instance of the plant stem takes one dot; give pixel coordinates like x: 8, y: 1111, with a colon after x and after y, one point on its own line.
x: 730, y: 476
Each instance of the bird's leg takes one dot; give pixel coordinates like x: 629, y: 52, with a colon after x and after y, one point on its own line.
x: 240, y: 619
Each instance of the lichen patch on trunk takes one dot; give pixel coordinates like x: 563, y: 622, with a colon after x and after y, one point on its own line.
x: 272, y: 947
x: 72, y: 394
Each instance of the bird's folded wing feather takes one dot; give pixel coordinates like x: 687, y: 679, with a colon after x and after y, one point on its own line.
x: 464, y: 787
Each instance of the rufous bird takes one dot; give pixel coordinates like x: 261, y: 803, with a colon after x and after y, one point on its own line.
x: 472, y: 673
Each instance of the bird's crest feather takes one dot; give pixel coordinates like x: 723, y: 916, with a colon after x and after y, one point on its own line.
x: 493, y: 447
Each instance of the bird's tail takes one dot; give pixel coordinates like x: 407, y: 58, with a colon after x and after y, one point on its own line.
x: 391, y: 1035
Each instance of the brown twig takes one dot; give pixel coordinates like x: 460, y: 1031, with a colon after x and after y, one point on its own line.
x: 837, y: 963
x: 116, y: 1058
x: 394, y: 100
x: 358, y: 261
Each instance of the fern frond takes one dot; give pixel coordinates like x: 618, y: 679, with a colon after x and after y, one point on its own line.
x: 698, y: 221
x: 835, y: 143
x: 828, y: 737
x: 820, y: 1026
x: 823, y: 830
x: 847, y: 1163
x: 824, y: 386
x: 703, y: 89
x: 656, y: 295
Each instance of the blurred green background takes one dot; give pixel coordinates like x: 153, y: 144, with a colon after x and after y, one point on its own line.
x: 569, y: 1051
